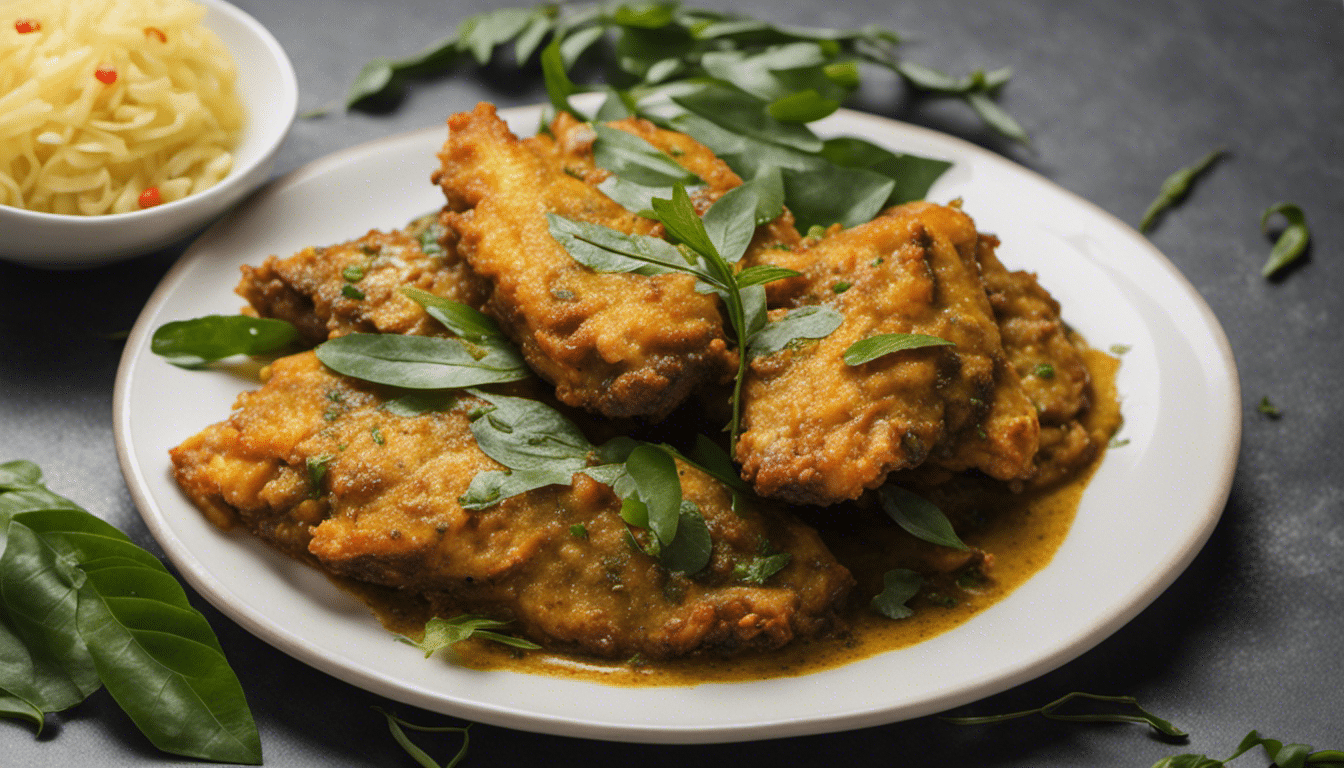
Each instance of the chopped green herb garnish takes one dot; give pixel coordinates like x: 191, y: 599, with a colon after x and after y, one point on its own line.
x: 578, y: 531
x: 377, y: 435
x: 762, y: 567
x: 1044, y: 371
x: 353, y: 273
x: 841, y: 286
x: 1118, y: 442
x: 1120, y: 349
x: 351, y: 292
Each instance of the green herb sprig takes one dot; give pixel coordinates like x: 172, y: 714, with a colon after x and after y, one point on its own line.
x: 799, y: 74
x: 397, y: 725
x: 1282, y: 755
x: 443, y: 633
x: 919, y: 517
x: 541, y: 447
x: 873, y: 347
x: 715, y: 244
x: 1052, y: 711
x: 82, y: 607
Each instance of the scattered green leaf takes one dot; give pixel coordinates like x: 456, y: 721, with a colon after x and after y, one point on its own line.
x: 419, y: 362
x: 919, y: 517
x: 1176, y: 187
x: 1052, y: 711
x: 1292, y: 241
x: 443, y: 633
x: 201, y: 340
x: 873, y: 347
x: 82, y: 606
x: 1266, y: 408
x: 898, y: 586
x: 396, y: 725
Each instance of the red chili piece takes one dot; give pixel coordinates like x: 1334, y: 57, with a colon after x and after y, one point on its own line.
x: 156, y: 33
x: 150, y: 197
x: 24, y: 26
x: 105, y: 75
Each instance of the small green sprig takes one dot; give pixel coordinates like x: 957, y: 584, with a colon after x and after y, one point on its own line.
x: 1282, y: 755
x: 397, y: 725
x: 1053, y: 711
x: 443, y: 633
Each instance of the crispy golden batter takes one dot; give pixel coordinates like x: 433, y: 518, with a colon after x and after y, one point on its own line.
x: 1048, y: 360
x: 817, y: 430
x: 383, y: 509
x: 616, y: 344
x: 353, y: 287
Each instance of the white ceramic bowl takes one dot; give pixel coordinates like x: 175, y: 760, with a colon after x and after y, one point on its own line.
x: 270, y: 94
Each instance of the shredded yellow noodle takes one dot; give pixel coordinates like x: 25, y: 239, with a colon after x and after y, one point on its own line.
x: 107, y: 106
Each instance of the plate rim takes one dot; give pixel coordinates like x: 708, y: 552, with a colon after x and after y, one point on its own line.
x: 1143, y: 593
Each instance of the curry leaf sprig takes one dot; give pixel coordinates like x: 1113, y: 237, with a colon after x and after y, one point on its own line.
x: 1053, y: 711
x: 82, y: 607
x: 1282, y: 755
x: 798, y: 73
x: 443, y: 633
x: 713, y: 246
x: 540, y: 447
x: 397, y: 725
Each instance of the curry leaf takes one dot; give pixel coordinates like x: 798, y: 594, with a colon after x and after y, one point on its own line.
x: 802, y: 323
x: 654, y: 473
x: 1292, y: 241
x: 811, y: 195
x: 912, y: 175
x: 418, y: 362
x: 443, y: 633
x: 396, y: 724
x: 111, y: 614
x: 205, y: 339
x: 690, y: 549
x: 898, y: 586
x: 1052, y: 712
x: 874, y: 347
x: 636, y: 160
x: 919, y: 517
x: 465, y: 321
x: 607, y: 250
x: 746, y: 115
x: 1176, y: 186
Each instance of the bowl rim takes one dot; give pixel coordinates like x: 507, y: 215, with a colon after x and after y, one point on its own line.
x: 273, y: 133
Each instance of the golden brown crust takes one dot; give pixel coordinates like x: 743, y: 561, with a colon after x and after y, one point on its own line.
x: 353, y: 287
x: 817, y: 430
x: 619, y: 344
x: 384, y: 510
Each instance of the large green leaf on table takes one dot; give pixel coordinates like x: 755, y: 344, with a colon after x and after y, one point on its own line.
x: 85, y: 604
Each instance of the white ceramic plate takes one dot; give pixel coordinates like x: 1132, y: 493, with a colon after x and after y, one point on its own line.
x: 1145, y: 515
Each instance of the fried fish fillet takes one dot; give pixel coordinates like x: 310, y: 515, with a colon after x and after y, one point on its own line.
x: 1048, y: 359
x: 312, y: 464
x: 817, y: 430
x: 617, y: 344
x: 353, y: 287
